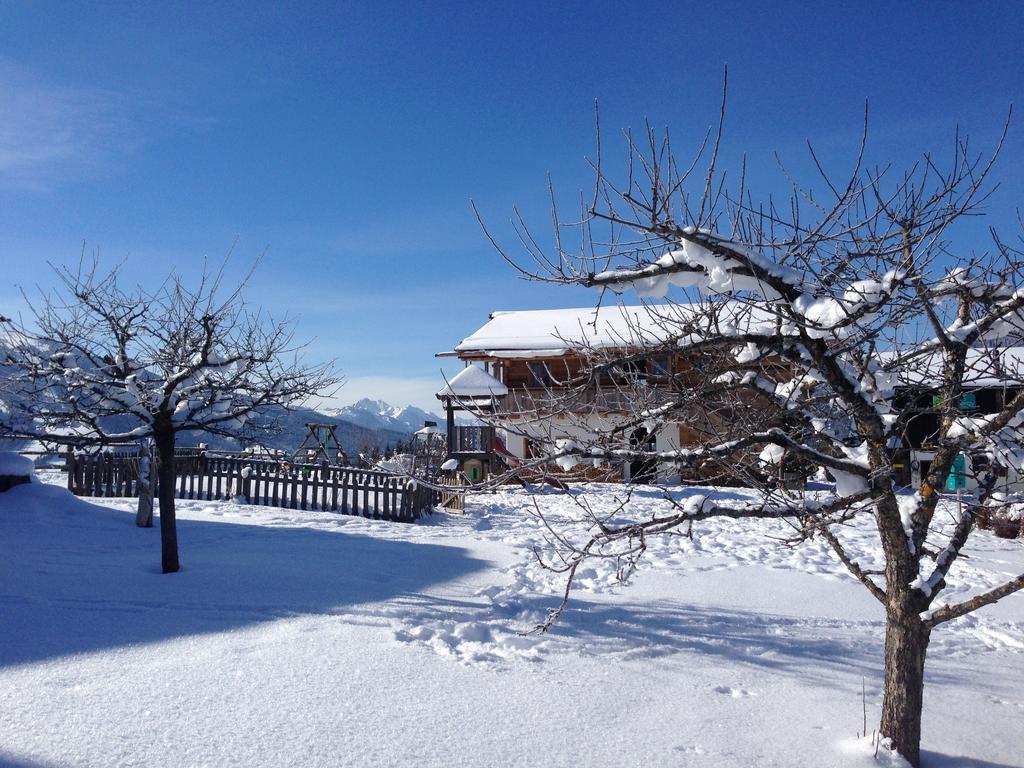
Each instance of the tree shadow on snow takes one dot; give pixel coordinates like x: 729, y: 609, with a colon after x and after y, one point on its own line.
x: 76, y: 577
x: 810, y: 648
x: 817, y: 649
x: 10, y: 762
x: 782, y: 643
x: 675, y: 492
x: 931, y: 759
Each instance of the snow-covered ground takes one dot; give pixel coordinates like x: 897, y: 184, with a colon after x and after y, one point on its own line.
x: 309, y: 638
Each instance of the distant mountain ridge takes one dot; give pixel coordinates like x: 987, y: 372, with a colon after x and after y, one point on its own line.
x: 361, y: 427
x: 377, y: 414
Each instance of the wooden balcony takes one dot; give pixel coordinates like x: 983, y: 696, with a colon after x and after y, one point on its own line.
x: 601, y: 399
x: 471, y: 441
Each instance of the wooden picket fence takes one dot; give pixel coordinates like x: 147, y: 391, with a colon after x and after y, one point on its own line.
x: 111, y: 473
x: 453, y: 500
x: 209, y: 476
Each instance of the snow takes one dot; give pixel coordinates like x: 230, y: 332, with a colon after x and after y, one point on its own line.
x: 827, y: 316
x: 378, y: 414
x: 908, y: 504
x: 547, y: 331
x: 871, y: 752
x: 309, y: 638
x: 718, y: 266
x: 849, y: 483
x: 704, y: 268
x: 772, y: 454
x: 748, y: 353
x: 986, y: 366
x: 961, y: 279
x: 552, y: 332
x: 473, y: 381
x: 567, y: 462
x: 524, y: 354
x: 15, y: 464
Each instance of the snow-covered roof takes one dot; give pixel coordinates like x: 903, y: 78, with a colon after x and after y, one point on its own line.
x: 984, y: 367
x: 528, y: 333
x: 473, y: 382
x: 553, y: 332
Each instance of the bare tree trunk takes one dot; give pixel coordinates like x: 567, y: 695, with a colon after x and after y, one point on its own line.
x: 906, y: 641
x: 164, y: 439
x: 144, y: 514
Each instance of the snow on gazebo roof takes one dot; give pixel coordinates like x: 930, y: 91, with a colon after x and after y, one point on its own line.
x: 473, y: 382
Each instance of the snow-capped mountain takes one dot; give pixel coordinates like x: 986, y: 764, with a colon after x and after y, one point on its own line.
x: 376, y: 414
x: 361, y: 427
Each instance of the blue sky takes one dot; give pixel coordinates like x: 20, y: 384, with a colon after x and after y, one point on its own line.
x: 344, y: 141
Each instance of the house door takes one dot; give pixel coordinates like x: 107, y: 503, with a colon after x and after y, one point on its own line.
x: 901, y: 468
x: 643, y: 470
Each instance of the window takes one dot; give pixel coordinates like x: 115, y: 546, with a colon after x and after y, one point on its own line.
x: 659, y: 366
x: 635, y: 371
x: 539, y: 375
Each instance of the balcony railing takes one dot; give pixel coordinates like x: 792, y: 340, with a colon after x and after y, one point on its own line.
x: 591, y: 399
x: 473, y: 439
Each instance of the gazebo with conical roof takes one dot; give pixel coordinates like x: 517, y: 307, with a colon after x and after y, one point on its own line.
x: 471, y: 390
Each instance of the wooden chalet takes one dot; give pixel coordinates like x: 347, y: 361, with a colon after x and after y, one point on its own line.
x: 518, y: 363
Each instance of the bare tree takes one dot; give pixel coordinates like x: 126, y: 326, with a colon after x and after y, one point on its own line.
x: 106, y: 364
x: 826, y: 329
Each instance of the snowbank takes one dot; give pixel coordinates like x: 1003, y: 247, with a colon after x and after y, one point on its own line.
x: 15, y: 469
x: 314, y: 639
x: 15, y: 464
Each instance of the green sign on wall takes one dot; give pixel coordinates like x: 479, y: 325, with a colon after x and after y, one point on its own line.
x: 957, y: 479
x: 968, y: 401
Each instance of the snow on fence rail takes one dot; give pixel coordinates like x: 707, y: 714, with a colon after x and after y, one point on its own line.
x: 350, y: 491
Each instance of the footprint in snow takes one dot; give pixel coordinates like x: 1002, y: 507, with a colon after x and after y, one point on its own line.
x: 1002, y: 702
x: 736, y: 693
x: 691, y: 749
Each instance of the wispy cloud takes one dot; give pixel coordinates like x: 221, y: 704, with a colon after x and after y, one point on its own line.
x: 52, y: 134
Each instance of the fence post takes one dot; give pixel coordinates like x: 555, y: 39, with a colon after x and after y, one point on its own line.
x: 324, y: 473
x: 218, y: 472
x: 108, y: 474
x: 246, y: 474
x: 403, y: 500
x: 304, y: 475
x: 69, y: 465
x: 182, y: 477
x: 97, y: 474
x: 87, y: 467
x: 202, y: 467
